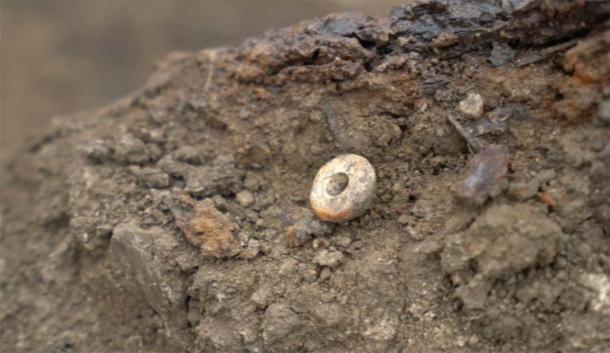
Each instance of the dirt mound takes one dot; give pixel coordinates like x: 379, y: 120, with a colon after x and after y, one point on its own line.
x: 177, y: 219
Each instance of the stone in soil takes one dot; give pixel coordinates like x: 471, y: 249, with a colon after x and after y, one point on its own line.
x: 245, y: 198
x: 301, y: 226
x: 472, y: 106
x: 153, y: 178
x: 328, y: 258
x: 132, y: 150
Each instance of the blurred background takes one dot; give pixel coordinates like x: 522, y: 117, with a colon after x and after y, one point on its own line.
x: 60, y: 57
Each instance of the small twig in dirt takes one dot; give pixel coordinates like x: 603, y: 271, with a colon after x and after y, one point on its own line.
x: 331, y: 117
x: 546, y: 52
x: 472, y: 141
x: 208, y: 80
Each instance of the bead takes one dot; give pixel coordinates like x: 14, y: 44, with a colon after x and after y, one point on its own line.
x: 343, y: 188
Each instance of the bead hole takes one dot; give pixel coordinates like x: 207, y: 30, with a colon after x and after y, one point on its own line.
x: 337, y: 183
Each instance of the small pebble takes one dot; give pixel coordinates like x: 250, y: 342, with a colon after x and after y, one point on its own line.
x: 245, y: 198
x: 301, y: 225
x: 262, y: 296
x: 472, y: 105
x: 343, y: 241
x: 98, y: 151
x: 153, y: 178
x: 443, y: 40
x: 132, y: 150
x: 328, y: 258
x: 414, y: 234
x: 251, y: 251
x: 288, y: 266
x: 220, y: 202
x: 325, y: 274
x: 156, y: 135
x: 403, y: 219
x: 252, y: 182
x: 188, y: 154
x: 501, y: 54
x: 473, y: 340
x: 343, y: 188
x: 523, y: 191
x: 320, y: 243
x: 428, y: 247
x: 546, y: 176
x: 309, y: 273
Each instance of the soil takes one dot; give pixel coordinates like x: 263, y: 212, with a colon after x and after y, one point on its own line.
x: 177, y: 219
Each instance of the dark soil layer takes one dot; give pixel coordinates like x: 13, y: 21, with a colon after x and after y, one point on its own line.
x: 177, y: 219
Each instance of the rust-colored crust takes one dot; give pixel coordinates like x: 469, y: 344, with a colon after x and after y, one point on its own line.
x: 330, y: 216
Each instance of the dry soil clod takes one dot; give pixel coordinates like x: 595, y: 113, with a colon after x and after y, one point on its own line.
x: 343, y: 188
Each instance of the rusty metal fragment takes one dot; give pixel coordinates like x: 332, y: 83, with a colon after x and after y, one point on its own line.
x: 205, y: 227
x: 485, y: 176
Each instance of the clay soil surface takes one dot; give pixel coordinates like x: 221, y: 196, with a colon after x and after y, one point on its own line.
x: 177, y: 219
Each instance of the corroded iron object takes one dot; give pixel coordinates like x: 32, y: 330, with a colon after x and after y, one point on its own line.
x: 343, y: 188
x: 486, y: 175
